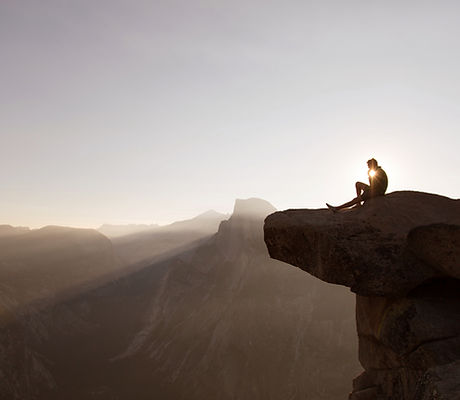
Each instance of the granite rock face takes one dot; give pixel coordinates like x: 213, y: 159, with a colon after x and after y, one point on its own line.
x: 401, y: 255
x: 217, y: 320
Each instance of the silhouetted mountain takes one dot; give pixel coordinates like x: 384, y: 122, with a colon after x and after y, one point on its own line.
x: 38, y: 270
x: 42, y: 263
x: 218, y: 321
x: 229, y: 323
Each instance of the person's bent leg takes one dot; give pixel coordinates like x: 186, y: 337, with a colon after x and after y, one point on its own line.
x: 360, y: 188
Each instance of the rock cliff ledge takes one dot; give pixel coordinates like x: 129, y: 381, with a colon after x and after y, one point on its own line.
x: 400, y: 254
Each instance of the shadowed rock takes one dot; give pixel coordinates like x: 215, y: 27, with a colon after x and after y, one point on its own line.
x: 401, y: 254
x: 366, y: 248
x: 438, y: 246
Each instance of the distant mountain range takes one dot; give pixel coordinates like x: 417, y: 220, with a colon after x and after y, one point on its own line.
x: 210, y: 316
x: 151, y: 245
x: 113, y: 231
x: 202, y: 222
x: 40, y: 264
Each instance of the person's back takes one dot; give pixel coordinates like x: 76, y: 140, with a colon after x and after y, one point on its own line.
x: 378, y: 182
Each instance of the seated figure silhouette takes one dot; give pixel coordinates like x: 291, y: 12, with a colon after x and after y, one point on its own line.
x: 378, y: 183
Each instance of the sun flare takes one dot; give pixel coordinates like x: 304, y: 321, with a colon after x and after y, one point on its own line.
x: 371, y: 173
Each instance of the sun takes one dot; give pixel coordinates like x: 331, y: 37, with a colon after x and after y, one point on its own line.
x: 371, y: 173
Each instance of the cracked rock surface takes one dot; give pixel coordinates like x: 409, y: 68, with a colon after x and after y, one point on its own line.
x: 401, y: 255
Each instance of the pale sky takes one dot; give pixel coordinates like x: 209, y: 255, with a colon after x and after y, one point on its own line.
x: 154, y: 111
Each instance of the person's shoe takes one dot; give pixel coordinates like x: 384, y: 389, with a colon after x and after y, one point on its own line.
x: 332, y: 208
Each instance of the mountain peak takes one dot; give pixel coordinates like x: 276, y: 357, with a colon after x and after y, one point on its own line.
x: 252, y: 207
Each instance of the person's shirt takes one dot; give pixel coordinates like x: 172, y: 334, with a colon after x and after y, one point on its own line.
x: 378, y: 182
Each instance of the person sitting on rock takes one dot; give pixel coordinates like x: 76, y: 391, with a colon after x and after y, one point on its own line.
x: 378, y: 183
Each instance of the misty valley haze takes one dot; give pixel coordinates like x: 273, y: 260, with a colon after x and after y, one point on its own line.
x: 114, y: 110
x: 193, y: 310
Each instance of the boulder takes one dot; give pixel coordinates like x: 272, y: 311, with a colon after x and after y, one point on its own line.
x: 400, y: 254
x: 367, y: 248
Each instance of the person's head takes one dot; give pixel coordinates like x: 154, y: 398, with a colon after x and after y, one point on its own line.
x: 372, y: 163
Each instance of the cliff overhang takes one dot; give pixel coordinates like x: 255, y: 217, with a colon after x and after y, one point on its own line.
x: 400, y: 254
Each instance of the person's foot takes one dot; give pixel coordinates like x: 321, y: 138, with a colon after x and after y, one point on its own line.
x: 332, y: 208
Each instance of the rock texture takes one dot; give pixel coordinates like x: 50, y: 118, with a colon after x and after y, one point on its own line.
x: 401, y: 255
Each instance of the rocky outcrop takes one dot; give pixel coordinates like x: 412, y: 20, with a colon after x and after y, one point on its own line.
x: 401, y: 255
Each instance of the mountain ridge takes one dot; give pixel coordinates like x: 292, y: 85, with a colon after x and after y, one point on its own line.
x: 219, y: 320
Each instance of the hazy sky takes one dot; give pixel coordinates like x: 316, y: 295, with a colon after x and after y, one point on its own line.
x: 153, y: 111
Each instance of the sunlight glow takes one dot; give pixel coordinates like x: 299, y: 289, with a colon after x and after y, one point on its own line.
x: 371, y: 173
